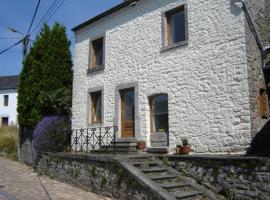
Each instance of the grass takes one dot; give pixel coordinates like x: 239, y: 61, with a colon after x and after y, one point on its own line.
x: 9, y: 137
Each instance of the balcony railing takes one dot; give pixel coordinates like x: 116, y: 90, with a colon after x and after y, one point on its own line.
x: 94, y: 139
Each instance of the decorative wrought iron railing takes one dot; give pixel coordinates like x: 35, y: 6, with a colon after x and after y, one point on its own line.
x: 94, y: 139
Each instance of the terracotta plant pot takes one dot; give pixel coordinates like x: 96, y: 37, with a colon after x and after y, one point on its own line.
x: 141, y: 145
x: 186, y: 150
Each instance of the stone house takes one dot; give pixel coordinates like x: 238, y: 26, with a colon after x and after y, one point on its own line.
x: 8, y: 100
x: 162, y: 70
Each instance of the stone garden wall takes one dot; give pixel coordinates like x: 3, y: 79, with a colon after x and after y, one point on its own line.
x: 99, y: 174
x: 234, y: 177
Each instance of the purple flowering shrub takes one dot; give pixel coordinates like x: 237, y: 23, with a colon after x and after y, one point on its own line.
x: 52, y: 134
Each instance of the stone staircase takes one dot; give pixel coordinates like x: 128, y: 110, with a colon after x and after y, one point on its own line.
x: 126, y: 147
x: 164, y: 180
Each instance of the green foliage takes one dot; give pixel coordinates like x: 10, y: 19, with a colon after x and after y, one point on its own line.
x: 9, y: 141
x: 46, y: 79
x: 93, y: 170
x: 184, y: 142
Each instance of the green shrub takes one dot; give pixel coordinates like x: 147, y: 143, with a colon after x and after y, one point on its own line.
x: 9, y: 141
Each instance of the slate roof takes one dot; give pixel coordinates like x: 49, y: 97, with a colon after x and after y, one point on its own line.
x: 9, y: 82
x: 104, y: 14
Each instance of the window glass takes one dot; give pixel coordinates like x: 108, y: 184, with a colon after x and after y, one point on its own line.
x: 5, y: 100
x: 159, y: 113
x: 96, y: 107
x: 98, y: 53
x: 176, y: 25
x: 4, y: 121
x: 178, y: 33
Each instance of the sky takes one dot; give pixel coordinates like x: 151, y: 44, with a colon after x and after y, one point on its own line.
x: 17, y: 14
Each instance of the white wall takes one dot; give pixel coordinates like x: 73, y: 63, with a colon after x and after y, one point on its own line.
x: 9, y: 111
x: 206, y: 80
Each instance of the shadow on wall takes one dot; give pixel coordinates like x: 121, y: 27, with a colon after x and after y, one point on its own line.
x: 260, y: 144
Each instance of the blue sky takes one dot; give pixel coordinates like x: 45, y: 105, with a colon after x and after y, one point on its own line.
x: 18, y: 13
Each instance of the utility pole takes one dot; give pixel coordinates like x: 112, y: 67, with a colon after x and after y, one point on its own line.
x: 25, y: 45
x: 25, y: 41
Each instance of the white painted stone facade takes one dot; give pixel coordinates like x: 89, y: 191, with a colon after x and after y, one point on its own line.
x: 9, y: 111
x: 206, y: 80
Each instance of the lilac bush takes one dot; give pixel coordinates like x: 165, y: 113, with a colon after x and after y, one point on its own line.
x: 52, y: 134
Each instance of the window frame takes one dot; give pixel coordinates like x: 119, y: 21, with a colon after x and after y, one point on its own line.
x: 166, y: 28
x: 91, y: 67
x: 151, y: 98
x: 91, y: 109
x: 6, y: 100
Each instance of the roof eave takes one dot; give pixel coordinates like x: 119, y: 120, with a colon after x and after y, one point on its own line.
x: 104, y: 14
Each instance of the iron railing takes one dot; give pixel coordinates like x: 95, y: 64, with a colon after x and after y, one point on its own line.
x: 94, y: 139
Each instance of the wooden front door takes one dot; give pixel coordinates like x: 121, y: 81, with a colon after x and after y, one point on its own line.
x: 127, y: 113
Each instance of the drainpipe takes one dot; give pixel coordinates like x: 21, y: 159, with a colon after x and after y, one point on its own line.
x: 264, y: 50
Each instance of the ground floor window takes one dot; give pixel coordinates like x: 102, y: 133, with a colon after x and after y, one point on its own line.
x: 4, y: 121
x: 96, y: 107
x: 159, y: 113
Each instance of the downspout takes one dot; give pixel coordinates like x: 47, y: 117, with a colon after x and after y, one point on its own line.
x: 263, y: 50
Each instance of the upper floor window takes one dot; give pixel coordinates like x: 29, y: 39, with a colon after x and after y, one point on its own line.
x: 96, y: 107
x: 97, y: 53
x: 159, y: 113
x: 5, y: 100
x: 175, y: 26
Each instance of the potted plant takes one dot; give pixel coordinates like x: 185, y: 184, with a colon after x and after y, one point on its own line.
x: 186, y: 149
x: 141, y: 145
x: 178, y: 149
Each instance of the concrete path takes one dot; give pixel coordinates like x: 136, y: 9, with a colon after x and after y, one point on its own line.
x: 18, y: 182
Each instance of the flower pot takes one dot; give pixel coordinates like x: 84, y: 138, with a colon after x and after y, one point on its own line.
x: 141, y: 145
x: 185, y: 150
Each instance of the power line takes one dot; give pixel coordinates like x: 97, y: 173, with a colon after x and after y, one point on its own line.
x: 55, y: 10
x: 50, y: 12
x: 8, y: 38
x: 33, y: 18
x: 44, y: 16
x: 11, y: 46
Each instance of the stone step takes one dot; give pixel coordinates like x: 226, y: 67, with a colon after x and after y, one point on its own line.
x: 120, y: 144
x: 173, y: 185
x: 119, y: 148
x: 163, y: 177
x: 145, y: 163
x: 117, y: 151
x: 151, y: 170
x: 186, y: 194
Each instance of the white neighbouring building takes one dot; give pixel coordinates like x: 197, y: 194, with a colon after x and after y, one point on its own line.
x: 162, y: 70
x: 8, y: 100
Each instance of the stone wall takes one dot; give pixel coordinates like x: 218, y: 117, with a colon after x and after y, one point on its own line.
x: 99, y: 174
x: 240, y: 177
x: 206, y: 80
x: 25, y: 147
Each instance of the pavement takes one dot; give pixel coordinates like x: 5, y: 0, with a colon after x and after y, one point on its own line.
x: 19, y: 182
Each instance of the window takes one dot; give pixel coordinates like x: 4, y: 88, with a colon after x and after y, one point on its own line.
x: 4, y: 121
x: 176, y: 26
x: 263, y: 104
x: 5, y: 100
x: 96, y: 107
x: 159, y: 113
x: 97, y: 53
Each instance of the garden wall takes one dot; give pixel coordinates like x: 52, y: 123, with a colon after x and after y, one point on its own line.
x: 25, y: 147
x: 99, y: 174
x: 238, y: 177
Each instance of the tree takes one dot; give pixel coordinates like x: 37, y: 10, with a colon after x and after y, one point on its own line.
x: 45, y: 85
